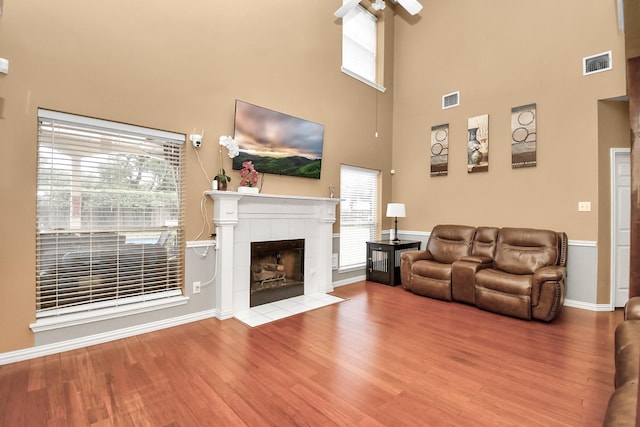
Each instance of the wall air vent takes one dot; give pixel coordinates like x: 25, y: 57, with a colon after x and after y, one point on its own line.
x: 451, y: 100
x: 596, y: 63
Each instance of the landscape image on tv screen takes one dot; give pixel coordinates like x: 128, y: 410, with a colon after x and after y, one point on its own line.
x: 277, y: 143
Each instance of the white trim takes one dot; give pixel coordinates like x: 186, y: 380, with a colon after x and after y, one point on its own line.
x: 349, y: 281
x: 201, y: 243
x: 613, y: 155
x: 620, y: 9
x: 59, y: 347
x: 363, y: 79
x: 588, y: 306
x: 352, y: 268
x: 83, y: 317
x: 414, y: 233
x: 587, y: 243
x: 105, y: 124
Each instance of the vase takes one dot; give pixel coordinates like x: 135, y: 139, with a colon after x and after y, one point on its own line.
x: 248, y: 190
x: 473, y: 148
x: 222, y: 183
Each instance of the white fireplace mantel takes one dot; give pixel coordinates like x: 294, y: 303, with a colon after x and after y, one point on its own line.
x: 242, y: 218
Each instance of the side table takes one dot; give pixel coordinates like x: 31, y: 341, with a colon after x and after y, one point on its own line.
x: 383, y: 259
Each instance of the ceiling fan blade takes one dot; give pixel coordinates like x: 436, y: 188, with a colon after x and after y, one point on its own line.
x: 412, y: 6
x: 346, y: 8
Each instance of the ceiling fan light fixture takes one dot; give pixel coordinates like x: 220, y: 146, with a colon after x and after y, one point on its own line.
x: 412, y: 6
x: 378, y: 5
x: 346, y: 7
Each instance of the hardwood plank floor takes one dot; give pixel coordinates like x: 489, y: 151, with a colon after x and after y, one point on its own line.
x: 384, y: 357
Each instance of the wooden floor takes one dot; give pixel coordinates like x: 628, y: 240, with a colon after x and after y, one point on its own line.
x: 383, y: 357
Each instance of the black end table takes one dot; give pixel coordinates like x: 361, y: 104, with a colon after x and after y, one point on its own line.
x: 383, y: 259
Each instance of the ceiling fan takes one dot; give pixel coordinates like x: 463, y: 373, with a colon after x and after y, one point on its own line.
x: 412, y: 6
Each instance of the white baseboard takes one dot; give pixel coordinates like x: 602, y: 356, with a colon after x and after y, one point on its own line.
x: 47, y: 349
x: 349, y: 281
x: 588, y: 306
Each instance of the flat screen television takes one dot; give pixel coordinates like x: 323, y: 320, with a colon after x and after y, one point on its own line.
x: 277, y: 143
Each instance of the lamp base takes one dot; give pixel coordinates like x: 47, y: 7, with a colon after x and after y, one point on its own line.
x: 395, y: 231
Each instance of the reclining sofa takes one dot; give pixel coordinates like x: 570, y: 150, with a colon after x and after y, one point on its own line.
x: 519, y: 272
x: 621, y: 409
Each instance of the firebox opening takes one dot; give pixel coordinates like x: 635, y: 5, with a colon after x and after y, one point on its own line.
x: 277, y: 271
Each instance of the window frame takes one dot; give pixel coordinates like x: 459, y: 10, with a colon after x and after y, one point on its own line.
x: 353, y: 180
x: 165, y: 287
x: 347, y: 27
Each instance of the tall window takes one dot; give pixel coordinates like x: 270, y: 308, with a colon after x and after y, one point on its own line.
x: 359, y: 45
x: 109, y: 214
x: 358, y: 214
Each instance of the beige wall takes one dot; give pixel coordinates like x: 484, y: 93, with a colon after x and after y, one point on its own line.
x: 178, y: 68
x: 501, y: 55
x: 181, y: 67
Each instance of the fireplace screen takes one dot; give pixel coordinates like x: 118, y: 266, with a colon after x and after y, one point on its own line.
x: 277, y: 270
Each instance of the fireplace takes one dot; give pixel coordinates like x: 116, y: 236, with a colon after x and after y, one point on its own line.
x: 242, y: 218
x: 277, y: 271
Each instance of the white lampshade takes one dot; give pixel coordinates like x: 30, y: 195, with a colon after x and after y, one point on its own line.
x: 396, y: 210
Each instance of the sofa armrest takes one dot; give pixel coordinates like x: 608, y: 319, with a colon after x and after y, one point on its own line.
x: 463, y: 277
x: 407, y: 259
x: 632, y: 309
x: 478, y: 259
x: 413, y: 256
x: 547, y: 291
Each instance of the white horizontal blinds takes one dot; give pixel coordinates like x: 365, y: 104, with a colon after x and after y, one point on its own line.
x: 358, y: 214
x: 359, y: 43
x: 109, y: 213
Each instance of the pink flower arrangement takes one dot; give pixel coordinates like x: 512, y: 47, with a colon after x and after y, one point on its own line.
x: 248, y: 175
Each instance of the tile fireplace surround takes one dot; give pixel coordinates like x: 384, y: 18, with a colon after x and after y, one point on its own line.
x: 242, y: 218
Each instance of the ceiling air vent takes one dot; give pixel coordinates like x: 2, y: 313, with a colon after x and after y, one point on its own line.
x: 451, y: 100
x: 596, y: 63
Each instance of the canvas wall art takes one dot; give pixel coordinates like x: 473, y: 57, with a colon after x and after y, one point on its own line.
x: 440, y: 150
x: 277, y: 143
x: 523, y: 136
x: 478, y: 144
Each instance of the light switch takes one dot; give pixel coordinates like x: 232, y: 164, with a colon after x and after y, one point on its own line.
x: 584, y: 206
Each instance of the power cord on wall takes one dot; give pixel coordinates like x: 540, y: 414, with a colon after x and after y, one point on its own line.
x: 203, y: 255
x: 203, y: 200
x: 205, y: 215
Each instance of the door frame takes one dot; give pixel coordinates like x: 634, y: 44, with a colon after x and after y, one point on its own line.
x: 614, y: 153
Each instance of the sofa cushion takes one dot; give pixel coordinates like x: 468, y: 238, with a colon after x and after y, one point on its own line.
x: 632, y: 309
x: 627, y: 332
x: 621, y: 409
x: 484, y: 242
x: 449, y: 243
x: 512, y: 284
x: 525, y: 250
x: 432, y: 269
x: 627, y: 364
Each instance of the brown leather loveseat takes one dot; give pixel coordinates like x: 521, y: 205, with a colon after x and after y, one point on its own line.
x: 518, y: 272
x: 621, y: 409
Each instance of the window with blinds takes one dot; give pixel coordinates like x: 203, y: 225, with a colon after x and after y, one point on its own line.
x: 359, y: 45
x: 109, y: 214
x: 358, y: 214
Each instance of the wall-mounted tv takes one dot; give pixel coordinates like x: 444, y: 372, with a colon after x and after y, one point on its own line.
x: 277, y: 143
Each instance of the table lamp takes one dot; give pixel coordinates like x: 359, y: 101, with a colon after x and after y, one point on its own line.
x: 396, y: 210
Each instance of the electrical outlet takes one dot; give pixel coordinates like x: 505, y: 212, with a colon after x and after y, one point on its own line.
x: 196, y: 287
x: 584, y: 206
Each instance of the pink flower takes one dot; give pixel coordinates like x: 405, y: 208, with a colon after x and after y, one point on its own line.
x: 248, y: 174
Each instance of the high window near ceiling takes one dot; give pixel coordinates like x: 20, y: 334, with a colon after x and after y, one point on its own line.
x: 109, y: 215
x: 358, y: 214
x: 360, y: 46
